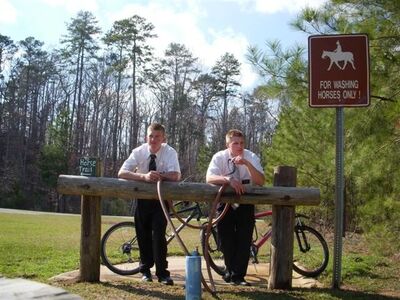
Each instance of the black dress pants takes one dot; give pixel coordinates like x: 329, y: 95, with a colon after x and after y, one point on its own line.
x: 235, y: 232
x: 150, y: 224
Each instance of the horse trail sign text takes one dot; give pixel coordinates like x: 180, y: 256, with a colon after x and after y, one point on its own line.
x: 87, y: 166
x: 338, y: 70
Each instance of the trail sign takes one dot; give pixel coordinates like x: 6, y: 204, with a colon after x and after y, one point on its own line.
x: 87, y: 166
x: 338, y: 70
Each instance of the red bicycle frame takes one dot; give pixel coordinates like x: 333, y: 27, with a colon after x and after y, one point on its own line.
x: 260, y: 242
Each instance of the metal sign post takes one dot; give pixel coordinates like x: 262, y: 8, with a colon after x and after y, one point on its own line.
x: 338, y: 77
x: 338, y: 243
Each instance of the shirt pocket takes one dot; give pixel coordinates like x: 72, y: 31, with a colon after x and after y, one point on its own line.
x: 162, y: 166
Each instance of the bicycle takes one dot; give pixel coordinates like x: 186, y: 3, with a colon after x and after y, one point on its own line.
x: 119, y: 249
x: 310, y: 253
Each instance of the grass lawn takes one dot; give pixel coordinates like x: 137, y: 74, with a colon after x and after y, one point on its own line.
x: 39, y: 246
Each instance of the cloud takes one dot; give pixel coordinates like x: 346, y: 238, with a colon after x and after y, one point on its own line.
x: 232, y: 42
x: 178, y: 24
x: 276, y: 6
x: 73, y: 6
x: 171, y: 24
x: 8, y: 14
x: 291, y: 6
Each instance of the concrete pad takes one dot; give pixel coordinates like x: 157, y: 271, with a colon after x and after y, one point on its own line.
x: 257, y: 275
x: 23, y: 289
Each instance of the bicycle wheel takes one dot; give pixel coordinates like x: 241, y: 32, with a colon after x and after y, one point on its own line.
x: 216, y: 257
x: 310, y: 253
x: 119, y: 249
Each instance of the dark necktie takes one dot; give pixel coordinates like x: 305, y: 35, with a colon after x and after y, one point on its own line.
x: 152, y: 163
x: 236, y: 175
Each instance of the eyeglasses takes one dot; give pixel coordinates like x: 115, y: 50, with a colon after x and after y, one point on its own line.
x: 231, y: 167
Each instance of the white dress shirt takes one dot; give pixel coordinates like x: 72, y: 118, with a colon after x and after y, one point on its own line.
x: 138, y: 160
x: 221, y: 165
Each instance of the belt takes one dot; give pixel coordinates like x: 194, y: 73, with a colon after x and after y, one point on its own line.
x: 246, y: 181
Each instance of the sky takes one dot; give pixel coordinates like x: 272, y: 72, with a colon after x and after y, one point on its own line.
x: 208, y: 28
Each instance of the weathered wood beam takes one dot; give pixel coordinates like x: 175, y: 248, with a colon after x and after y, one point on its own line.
x: 186, y: 191
x: 283, y: 219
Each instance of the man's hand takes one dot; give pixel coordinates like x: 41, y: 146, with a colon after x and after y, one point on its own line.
x: 153, y: 176
x: 239, y: 160
x: 237, y: 186
x: 257, y: 177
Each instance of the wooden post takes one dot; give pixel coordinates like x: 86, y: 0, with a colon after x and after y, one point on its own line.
x: 282, y: 234
x: 90, y: 235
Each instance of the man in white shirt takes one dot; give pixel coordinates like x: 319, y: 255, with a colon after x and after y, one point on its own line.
x: 153, y: 161
x: 237, y: 167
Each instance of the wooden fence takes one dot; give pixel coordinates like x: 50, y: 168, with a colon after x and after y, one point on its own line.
x: 284, y: 196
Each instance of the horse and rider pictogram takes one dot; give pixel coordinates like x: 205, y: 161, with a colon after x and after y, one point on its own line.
x: 337, y: 56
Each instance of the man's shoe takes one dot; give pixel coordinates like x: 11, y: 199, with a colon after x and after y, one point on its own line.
x: 147, y: 277
x: 166, y: 280
x: 226, y: 277
x: 241, y: 282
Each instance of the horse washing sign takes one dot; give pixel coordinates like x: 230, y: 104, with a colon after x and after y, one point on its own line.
x: 338, y: 70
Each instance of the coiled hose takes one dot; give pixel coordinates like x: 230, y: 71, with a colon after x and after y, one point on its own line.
x: 209, y: 225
